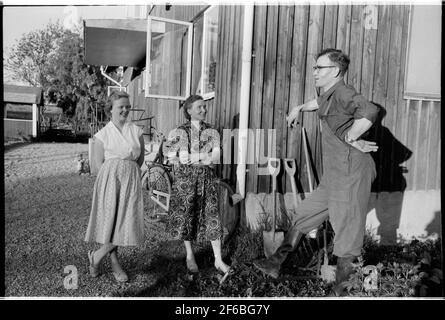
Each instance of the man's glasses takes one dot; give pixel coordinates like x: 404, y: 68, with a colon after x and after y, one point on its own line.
x: 322, y: 67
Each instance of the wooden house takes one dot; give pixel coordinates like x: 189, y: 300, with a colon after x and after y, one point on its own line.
x: 253, y: 63
x: 21, y: 107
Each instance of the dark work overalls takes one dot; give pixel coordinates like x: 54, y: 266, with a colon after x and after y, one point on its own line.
x: 342, y: 195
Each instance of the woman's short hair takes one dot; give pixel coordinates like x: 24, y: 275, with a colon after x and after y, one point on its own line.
x: 338, y: 57
x: 115, y: 95
x: 187, y: 104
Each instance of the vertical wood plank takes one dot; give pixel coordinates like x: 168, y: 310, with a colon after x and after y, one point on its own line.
x: 310, y: 119
x: 269, y: 83
x: 356, y: 47
x: 285, y: 27
x: 433, y: 147
x: 368, y: 62
x: 259, y: 45
x: 394, y: 66
x: 421, y: 150
x: 330, y: 26
x: 227, y: 68
x: 381, y: 74
x: 413, y: 118
x: 298, y: 72
x: 401, y: 102
x: 439, y: 167
x: 220, y: 94
x: 236, y: 79
x: 344, y: 29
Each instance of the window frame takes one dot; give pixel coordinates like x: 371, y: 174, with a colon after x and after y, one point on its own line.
x: 407, y: 95
x: 211, y: 94
x: 148, y: 74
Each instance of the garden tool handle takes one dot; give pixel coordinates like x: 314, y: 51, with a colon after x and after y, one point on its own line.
x: 306, y: 156
x: 274, y: 170
x: 291, y: 172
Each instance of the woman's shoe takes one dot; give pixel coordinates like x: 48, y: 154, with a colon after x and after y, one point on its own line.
x: 120, y: 276
x: 226, y: 273
x: 191, y: 265
x: 94, y: 271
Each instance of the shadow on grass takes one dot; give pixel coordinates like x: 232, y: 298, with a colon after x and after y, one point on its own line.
x: 15, y: 145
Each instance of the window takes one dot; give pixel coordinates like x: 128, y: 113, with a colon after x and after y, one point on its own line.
x: 209, y: 52
x: 171, y: 70
x: 423, y: 65
x: 169, y: 53
x: 18, y: 111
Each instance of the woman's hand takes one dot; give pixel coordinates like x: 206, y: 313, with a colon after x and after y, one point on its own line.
x: 365, y: 146
x: 292, y: 118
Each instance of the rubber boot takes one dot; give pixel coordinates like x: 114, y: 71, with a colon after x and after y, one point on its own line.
x: 271, y: 266
x: 342, y: 273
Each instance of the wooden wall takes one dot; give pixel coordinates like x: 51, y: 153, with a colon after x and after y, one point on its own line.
x: 285, y: 42
x: 286, y: 39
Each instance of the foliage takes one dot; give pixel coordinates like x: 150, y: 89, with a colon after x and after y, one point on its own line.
x: 397, y: 276
x: 52, y: 58
x: 30, y: 59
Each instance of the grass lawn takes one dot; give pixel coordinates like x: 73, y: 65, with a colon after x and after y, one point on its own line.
x: 46, y: 215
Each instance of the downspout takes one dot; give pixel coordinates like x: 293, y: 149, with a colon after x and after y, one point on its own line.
x: 108, y: 77
x: 246, y: 63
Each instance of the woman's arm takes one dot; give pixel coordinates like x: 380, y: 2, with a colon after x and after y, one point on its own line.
x: 140, y: 160
x: 98, y: 155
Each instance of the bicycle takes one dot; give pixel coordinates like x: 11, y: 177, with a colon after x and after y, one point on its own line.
x: 157, y: 188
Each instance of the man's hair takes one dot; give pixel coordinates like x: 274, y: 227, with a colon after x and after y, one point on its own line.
x: 115, y: 95
x: 337, y: 57
x: 188, y: 103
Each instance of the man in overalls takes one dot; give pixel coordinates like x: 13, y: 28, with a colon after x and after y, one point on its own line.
x: 348, y: 169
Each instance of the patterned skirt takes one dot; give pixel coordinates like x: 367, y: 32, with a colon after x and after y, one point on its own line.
x: 194, y: 209
x: 117, y: 209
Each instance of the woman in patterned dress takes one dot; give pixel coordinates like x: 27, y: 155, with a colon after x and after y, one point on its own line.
x: 194, y: 208
x: 116, y: 217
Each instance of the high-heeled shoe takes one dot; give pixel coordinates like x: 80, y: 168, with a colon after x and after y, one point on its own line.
x: 191, y: 265
x: 226, y: 273
x: 120, y: 276
x: 94, y: 271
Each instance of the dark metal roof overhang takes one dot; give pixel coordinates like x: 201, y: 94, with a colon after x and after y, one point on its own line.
x: 115, y: 42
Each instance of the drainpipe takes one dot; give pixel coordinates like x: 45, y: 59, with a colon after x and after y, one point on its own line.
x: 108, y: 77
x: 246, y: 62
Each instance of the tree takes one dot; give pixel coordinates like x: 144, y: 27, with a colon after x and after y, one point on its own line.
x: 30, y: 58
x: 53, y: 58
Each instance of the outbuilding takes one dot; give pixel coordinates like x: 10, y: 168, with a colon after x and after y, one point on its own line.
x: 21, y: 111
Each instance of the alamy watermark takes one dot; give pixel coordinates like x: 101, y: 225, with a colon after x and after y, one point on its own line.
x: 238, y: 146
x: 71, y: 281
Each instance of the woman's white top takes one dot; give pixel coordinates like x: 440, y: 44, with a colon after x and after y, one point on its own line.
x: 119, y: 145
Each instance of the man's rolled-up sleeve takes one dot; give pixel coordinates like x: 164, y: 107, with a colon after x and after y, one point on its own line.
x: 362, y: 108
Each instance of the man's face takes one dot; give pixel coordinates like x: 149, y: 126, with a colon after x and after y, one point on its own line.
x: 325, y: 72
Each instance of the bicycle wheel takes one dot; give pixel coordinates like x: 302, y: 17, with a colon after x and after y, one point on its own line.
x: 156, y: 184
x: 229, y: 213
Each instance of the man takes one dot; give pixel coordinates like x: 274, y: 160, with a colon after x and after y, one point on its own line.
x: 348, y: 169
